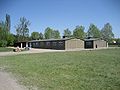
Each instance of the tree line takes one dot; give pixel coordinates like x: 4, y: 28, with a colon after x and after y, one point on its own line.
x: 79, y: 32
x: 6, y: 38
x: 22, y: 32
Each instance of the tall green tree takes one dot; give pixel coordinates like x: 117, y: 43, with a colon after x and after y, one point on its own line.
x: 93, y: 31
x: 10, y: 39
x: 106, y: 32
x: 8, y: 22
x: 3, y: 34
x: 79, y: 32
x: 56, y: 34
x: 3, y: 31
x: 6, y: 38
x: 41, y: 36
x: 22, y: 29
x: 51, y: 34
x: 35, y: 35
x: 48, y: 33
x: 67, y: 33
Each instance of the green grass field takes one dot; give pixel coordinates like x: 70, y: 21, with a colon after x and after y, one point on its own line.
x: 80, y: 70
x: 4, y: 49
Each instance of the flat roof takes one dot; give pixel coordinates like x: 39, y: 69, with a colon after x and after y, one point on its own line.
x: 64, y: 39
x: 92, y: 39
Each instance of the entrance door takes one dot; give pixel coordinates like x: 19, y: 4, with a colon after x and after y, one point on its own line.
x: 88, y: 44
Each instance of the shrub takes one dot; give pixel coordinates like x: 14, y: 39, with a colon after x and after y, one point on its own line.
x: 3, y: 43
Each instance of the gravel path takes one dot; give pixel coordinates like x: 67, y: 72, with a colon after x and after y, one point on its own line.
x: 32, y: 50
x: 28, y: 52
x: 8, y: 83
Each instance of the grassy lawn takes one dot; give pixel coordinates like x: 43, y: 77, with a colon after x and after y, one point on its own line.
x: 81, y: 70
x: 4, y: 49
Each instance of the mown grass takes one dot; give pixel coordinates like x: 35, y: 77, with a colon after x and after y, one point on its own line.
x: 81, y: 70
x: 4, y: 49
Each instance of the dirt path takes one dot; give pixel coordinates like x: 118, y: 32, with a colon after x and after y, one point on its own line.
x: 28, y: 52
x: 32, y: 50
x: 8, y: 83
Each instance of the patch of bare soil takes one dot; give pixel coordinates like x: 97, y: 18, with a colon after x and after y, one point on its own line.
x: 7, y: 82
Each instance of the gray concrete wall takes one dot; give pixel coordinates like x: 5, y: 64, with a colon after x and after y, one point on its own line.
x: 100, y: 44
x: 74, y: 44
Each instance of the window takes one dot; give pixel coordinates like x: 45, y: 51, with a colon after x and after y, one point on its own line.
x: 35, y: 44
x: 47, y: 43
x: 89, y: 44
x: 54, y: 43
x: 60, y: 43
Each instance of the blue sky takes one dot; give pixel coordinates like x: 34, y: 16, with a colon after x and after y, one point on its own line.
x: 62, y: 14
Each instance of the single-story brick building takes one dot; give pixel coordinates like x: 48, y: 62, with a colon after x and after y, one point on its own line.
x: 59, y: 44
x: 94, y: 43
x: 64, y: 44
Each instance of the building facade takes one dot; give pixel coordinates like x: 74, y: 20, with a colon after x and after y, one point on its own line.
x: 94, y: 43
x: 63, y: 44
x: 59, y: 44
